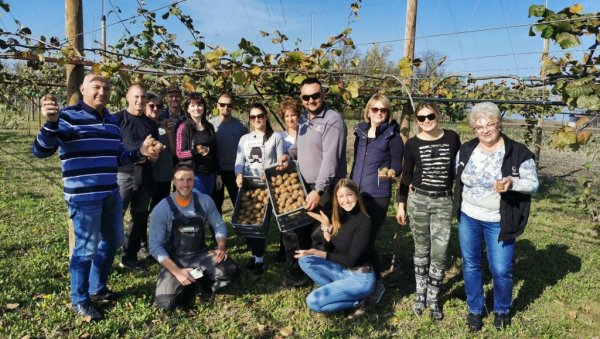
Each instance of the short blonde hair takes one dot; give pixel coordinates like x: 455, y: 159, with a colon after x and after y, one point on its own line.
x: 488, y: 110
x: 386, y: 104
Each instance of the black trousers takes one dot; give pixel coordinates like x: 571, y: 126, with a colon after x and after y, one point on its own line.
x: 218, y: 196
x: 377, y: 210
x: 137, y: 198
x: 309, y: 236
x: 163, y: 189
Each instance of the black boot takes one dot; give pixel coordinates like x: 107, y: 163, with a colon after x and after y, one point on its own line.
x: 421, y: 274
x: 436, y: 276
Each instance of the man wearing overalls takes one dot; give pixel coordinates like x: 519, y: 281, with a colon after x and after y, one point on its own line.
x: 177, y: 243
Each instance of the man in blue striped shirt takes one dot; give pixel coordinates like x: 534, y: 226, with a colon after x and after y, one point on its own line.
x: 89, y: 142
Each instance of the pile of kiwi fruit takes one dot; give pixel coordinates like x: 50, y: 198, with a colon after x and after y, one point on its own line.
x: 289, y: 195
x: 387, y: 173
x: 254, y: 201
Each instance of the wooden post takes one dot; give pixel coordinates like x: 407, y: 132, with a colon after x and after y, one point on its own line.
x: 74, y: 33
x: 537, y: 143
x: 409, y: 52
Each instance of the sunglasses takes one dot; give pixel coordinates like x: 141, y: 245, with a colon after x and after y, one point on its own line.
x: 153, y: 106
x: 382, y: 110
x: 421, y: 118
x: 225, y: 105
x: 314, y: 96
x: 257, y: 117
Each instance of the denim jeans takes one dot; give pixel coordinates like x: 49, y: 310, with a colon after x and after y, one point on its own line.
x: 205, y: 183
x: 472, y: 233
x: 340, y: 288
x: 98, y: 227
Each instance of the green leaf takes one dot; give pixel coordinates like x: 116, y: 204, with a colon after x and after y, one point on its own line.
x: 547, y: 32
x: 567, y: 40
x: 264, y: 34
x: 536, y: 10
x: 5, y: 6
x: 531, y: 32
x: 25, y: 31
x: 166, y: 15
x: 575, y: 90
x: 591, y: 102
x: 296, y: 56
x: 239, y: 77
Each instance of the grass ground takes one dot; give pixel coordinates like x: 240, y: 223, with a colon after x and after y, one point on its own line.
x: 557, y: 274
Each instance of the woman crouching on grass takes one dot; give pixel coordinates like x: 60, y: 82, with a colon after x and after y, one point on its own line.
x: 343, y: 270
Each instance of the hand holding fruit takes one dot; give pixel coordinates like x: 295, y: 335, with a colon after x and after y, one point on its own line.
x: 49, y: 107
x: 151, y: 148
x: 202, y: 150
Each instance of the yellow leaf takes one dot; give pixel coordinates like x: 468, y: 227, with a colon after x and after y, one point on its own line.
x: 583, y: 137
x: 12, y: 306
x: 287, y: 331
x: 85, y: 335
x: 572, y: 315
x: 582, y: 121
x: 256, y: 70
x: 353, y: 89
x: 188, y: 87
x: 87, y: 318
x: 576, y: 9
x: 260, y: 327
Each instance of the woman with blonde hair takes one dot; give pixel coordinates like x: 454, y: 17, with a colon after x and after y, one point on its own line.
x: 377, y: 147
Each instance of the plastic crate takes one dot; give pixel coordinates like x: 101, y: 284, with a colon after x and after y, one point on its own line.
x: 296, y: 218
x: 251, y: 230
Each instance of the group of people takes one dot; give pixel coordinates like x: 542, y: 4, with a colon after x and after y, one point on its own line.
x: 114, y: 162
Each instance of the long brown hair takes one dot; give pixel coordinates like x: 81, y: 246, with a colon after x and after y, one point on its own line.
x: 269, y: 130
x: 337, y: 210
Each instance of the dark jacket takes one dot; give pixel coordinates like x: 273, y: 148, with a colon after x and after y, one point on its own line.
x: 386, y: 150
x: 514, y: 206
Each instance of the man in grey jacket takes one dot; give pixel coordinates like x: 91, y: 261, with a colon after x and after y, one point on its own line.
x: 320, y: 149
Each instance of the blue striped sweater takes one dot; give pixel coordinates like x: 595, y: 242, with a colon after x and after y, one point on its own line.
x: 90, y: 149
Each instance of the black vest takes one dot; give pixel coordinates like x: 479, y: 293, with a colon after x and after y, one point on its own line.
x: 187, y: 233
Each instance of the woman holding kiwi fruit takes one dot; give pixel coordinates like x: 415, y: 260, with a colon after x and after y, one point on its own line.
x: 378, y: 148
x: 256, y: 151
x: 196, y: 143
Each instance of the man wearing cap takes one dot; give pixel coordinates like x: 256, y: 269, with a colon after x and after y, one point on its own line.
x: 173, y: 110
x: 229, y: 130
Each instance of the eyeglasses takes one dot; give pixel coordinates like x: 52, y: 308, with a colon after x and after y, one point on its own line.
x: 382, y: 110
x: 257, y: 117
x: 421, y: 118
x: 225, y: 105
x: 314, y: 96
x: 153, y: 106
x: 490, y: 125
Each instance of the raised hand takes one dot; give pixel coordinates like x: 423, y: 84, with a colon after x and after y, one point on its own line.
x: 49, y: 108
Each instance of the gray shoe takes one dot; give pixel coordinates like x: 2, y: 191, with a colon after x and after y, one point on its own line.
x: 378, y: 291
x: 87, y: 310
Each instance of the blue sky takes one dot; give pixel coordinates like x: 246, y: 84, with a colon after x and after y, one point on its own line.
x: 443, y: 25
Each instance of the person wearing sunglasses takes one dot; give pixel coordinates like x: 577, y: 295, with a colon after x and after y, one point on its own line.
x: 256, y: 151
x: 197, y: 143
x: 377, y: 144
x: 228, y: 130
x: 495, y: 177
x: 320, y: 149
x: 163, y: 167
x: 428, y: 169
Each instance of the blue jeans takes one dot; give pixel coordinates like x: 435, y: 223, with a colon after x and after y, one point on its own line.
x: 472, y: 233
x: 98, y: 227
x: 340, y: 288
x: 205, y: 183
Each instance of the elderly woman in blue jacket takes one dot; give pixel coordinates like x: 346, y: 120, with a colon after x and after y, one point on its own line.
x: 377, y: 146
x: 495, y: 177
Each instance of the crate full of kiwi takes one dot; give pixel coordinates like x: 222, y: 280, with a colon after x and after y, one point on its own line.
x: 288, y: 196
x: 252, y: 211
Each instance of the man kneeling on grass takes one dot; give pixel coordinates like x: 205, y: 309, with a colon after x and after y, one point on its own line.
x: 177, y: 242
